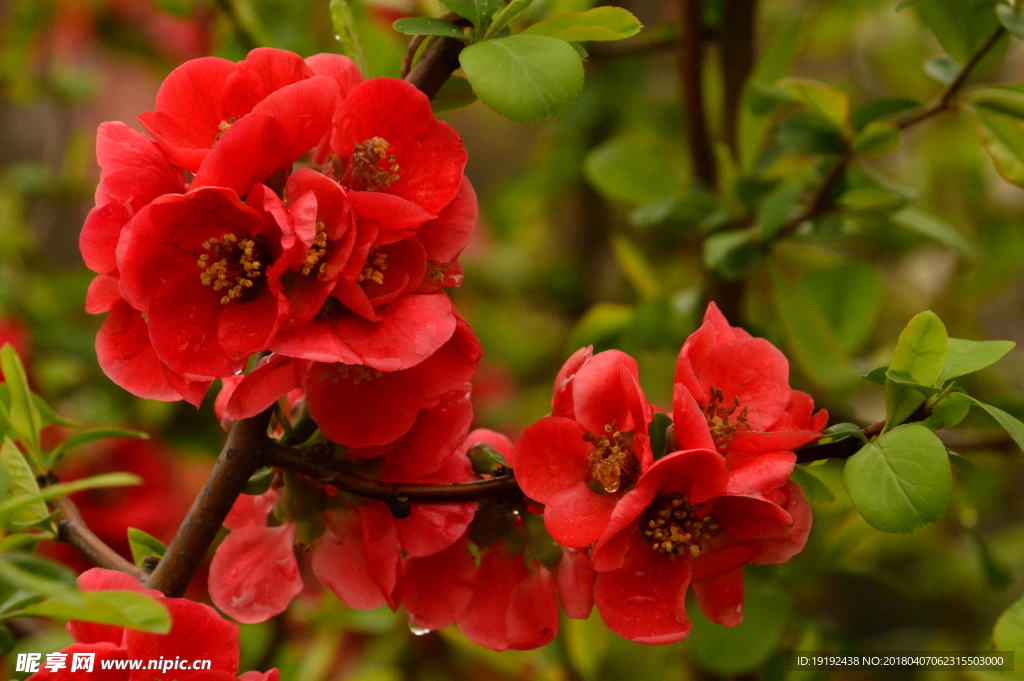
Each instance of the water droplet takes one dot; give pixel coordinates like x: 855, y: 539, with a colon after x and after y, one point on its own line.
x: 418, y: 631
x: 337, y: 37
x: 639, y: 601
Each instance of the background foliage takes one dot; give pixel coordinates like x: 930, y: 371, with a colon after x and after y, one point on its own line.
x: 595, y: 229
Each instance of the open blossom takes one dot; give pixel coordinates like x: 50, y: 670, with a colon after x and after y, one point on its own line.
x: 740, y: 386
x: 581, y: 463
x: 197, y: 633
x: 682, y: 526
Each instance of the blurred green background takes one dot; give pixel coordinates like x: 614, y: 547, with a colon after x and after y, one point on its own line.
x: 593, y: 230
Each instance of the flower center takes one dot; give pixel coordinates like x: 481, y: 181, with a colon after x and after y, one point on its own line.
x: 673, y: 527
x: 230, y: 263
x: 376, y: 265
x: 436, y: 271
x: 613, y: 465
x: 720, y: 417
x: 370, y: 169
x: 356, y: 372
x: 317, y: 251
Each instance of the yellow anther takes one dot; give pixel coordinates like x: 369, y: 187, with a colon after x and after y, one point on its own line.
x: 370, y: 168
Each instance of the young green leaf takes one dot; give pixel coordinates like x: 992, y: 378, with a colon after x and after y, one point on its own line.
x: 23, y: 415
x: 961, y: 27
x: 39, y: 576
x: 507, y: 14
x: 601, y: 325
x: 829, y: 103
x: 128, y: 609
x: 878, y: 109
x: 63, y: 489
x: 877, y: 375
x: 92, y: 435
x: 599, y: 23
x: 777, y: 208
x: 966, y: 356
x: 730, y: 253
x: 456, y: 93
x: 638, y: 270
x: 1013, y: 427
x: 876, y: 139
x: 1003, y: 138
x: 943, y: 69
x: 1000, y: 100
x: 814, y: 489
x: 1009, y: 630
x: 900, y: 481
x: 467, y: 9
x: 428, y: 26
x: 345, y: 33
x: 906, y: 381
x: 948, y: 412
x: 920, y: 355
x: 840, y: 431
x: 961, y: 462
x: 1011, y: 19
x: 144, y: 545
x: 934, y: 228
x: 527, y: 78
x: 21, y: 482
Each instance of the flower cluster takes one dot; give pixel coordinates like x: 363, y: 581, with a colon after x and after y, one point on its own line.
x: 605, y: 520
x: 718, y: 500
x: 197, y: 633
x: 284, y: 206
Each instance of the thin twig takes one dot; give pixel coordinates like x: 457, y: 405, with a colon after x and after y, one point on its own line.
x: 71, y: 528
x: 246, y: 450
x: 410, y: 53
x: 227, y: 8
x: 945, y: 101
x: 302, y: 462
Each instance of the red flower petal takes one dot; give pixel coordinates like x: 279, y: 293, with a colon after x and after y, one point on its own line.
x: 197, y: 632
x: 761, y: 473
x: 606, y: 390
x: 551, y: 456
x: 532, y: 619
x: 98, y: 239
x: 562, y: 402
x: 690, y: 421
x: 574, y: 577
x: 254, y: 574
x: 251, y: 510
x: 577, y: 517
x: 429, y: 153
x: 437, y: 589
x: 98, y: 579
x: 446, y: 236
x: 780, y: 550
x: 102, y: 651
x: 340, y: 562
x: 721, y: 598
x: 644, y: 599
x: 103, y: 294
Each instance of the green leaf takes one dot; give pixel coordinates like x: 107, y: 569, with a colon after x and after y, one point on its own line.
x: 920, y: 354
x: 428, y: 26
x: 658, y: 432
x: 778, y: 208
x: 948, y: 412
x: 600, y: 23
x: 637, y: 268
x: 527, y: 78
x: 1011, y: 19
x: 38, y: 576
x: 876, y: 139
x: 179, y: 8
x: 824, y: 100
x: 962, y: 26
x: 635, y: 168
x: 878, y: 109
x: 730, y: 253
x: 129, y: 609
x: 840, y: 431
x: 6, y: 640
x: 906, y: 381
x: 259, y: 482
x: 1013, y: 427
x: 49, y: 416
x: 345, y: 33
x: 92, y: 435
x: 901, y: 481
x: 934, y: 228
x: 507, y: 14
x: 737, y: 650
x: 814, y: 489
x: 848, y: 295
x: 961, y: 462
x: 23, y: 415
x: 65, y: 488
x: 815, y: 344
x: 877, y: 375
x: 21, y: 482
x: 1000, y: 100
x: 456, y: 93
x: 601, y: 325
x: 1001, y: 137
x: 966, y: 356
x: 468, y: 9
x: 1009, y: 629
x: 144, y: 545
x: 943, y: 69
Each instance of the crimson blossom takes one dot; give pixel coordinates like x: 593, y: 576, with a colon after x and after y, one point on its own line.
x: 197, y: 633
x: 216, y: 239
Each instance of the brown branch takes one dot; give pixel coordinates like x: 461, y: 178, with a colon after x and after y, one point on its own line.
x: 439, y: 61
x: 304, y: 463
x: 227, y: 8
x: 71, y: 528
x: 945, y: 101
x: 736, y: 47
x: 691, y: 74
x: 246, y: 450
x: 410, y: 54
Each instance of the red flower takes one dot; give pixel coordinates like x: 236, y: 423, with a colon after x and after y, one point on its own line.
x: 682, y: 525
x: 197, y: 633
x: 235, y: 125
x: 582, y: 463
x: 740, y: 386
x: 205, y: 270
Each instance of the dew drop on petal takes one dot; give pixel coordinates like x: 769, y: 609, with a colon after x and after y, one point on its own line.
x: 418, y: 631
